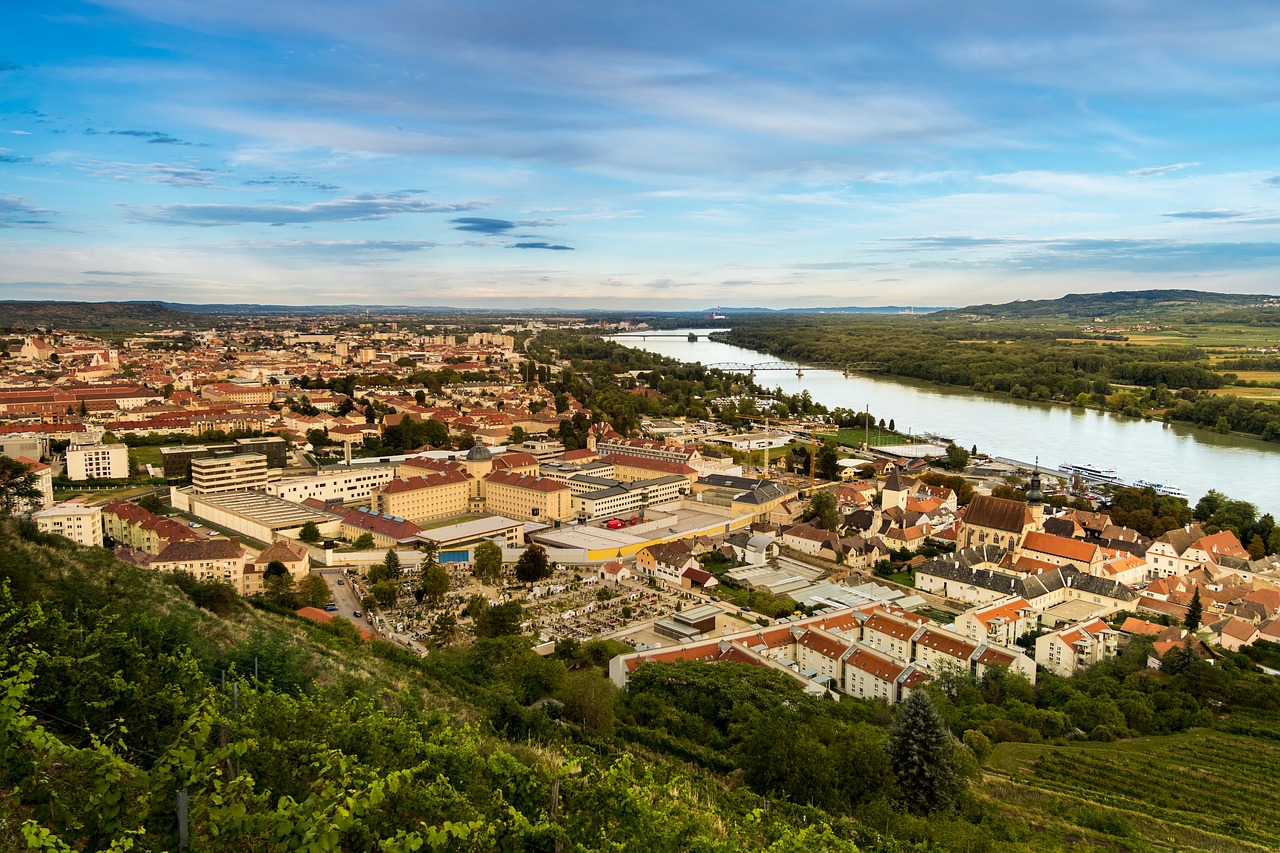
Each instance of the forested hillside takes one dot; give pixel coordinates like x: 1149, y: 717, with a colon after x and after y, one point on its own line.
x: 1150, y: 305
x: 95, y: 316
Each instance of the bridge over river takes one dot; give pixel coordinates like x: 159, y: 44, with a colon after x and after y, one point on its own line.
x: 751, y: 369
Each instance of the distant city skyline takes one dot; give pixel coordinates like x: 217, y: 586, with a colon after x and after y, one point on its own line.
x: 671, y: 156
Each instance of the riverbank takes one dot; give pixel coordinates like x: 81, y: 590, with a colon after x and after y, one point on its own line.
x: 1192, y: 459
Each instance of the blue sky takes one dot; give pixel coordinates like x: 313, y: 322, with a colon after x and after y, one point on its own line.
x: 636, y: 154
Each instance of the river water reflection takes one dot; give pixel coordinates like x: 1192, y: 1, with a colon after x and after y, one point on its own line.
x: 1194, y: 460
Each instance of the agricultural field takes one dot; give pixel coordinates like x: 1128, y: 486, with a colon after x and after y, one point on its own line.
x: 1199, y: 790
x: 1249, y: 393
x: 1229, y: 336
x: 1257, y: 375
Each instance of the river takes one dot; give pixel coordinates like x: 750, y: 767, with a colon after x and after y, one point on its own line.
x: 1193, y: 460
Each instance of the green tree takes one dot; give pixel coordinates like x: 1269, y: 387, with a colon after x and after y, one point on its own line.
x: 391, y: 562
x: 18, y: 487
x: 434, y: 583
x: 1195, y: 610
x: 498, y: 621
x: 822, y: 507
x: 533, y: 565
x: 444, y: 629
x: 363, y: 542
x: 517, y: 435
x: 488, y: 563
x: 827, y: 460
x: 589, y: 699
x: 319, y: 437
x: 279, y: 589
x: 313, y: 592
x: 957, y: 457
x: 309, y: 533
x: 923, y: 756
x: 153, y: 505
x: 385, y: 593
x: 275, y: 569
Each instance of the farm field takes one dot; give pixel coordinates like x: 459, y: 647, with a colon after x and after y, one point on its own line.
x: 1250, y: 393
x: 1197, y: 336
x: 1199, y: 790
x: 1258, y: 375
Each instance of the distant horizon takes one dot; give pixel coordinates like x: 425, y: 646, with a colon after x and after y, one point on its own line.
x: 669, y: 156
x: 497, y: 306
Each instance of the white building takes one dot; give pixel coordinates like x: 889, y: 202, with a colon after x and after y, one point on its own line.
x: 349, y: 485
x: 73, y: 519
x: 99, y: 461
x: 1072, y: 649
x: 754, y: 440
x: 238, y: 472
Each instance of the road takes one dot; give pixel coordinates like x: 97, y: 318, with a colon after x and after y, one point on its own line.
x: 345, y: 596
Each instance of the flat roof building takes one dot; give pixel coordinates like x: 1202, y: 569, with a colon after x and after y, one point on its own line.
x: 240, y: 471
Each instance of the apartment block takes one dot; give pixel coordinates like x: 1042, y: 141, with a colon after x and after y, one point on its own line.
x: 238, y: 472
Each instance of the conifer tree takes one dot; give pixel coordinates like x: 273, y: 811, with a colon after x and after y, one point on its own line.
x: 1194, y: 611
x: 391, y: 563
x: 923, y: 756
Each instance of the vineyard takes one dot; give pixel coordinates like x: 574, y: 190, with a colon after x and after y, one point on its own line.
x: 1199, y: 790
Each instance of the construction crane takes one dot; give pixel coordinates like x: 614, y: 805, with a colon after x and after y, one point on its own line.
x: 809, y: 429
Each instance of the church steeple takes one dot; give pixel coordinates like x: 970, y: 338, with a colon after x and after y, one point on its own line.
x: 1035, y: 496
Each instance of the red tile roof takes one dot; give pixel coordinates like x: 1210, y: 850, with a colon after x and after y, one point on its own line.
x: 524, y: 481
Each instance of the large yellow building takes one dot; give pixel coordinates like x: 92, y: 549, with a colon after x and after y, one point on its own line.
x: 533, y: 498
x: 630, y: 468
x: 434, y: 494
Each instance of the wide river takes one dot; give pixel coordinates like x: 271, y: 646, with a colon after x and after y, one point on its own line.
x: 1194, y: 460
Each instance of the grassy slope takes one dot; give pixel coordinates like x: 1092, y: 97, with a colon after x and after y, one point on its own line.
x: 1199, y: 790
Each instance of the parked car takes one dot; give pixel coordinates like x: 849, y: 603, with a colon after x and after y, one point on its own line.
x: 356, y: 614
x: 331, y: 607
x: 341, y: 582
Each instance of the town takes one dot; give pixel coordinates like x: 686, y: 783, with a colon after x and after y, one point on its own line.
x: 416, y: 478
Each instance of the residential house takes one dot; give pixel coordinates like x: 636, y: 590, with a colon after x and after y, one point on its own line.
x: 1077, y: 647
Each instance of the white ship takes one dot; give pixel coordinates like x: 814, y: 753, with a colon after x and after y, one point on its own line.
x: 1162, y: 489
x: 1091, y: 472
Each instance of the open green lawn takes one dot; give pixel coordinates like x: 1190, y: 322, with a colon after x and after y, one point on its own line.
x: 1199, y: 790
x: 879, y: 437
x: 445, y: 522
x: 145, y: 456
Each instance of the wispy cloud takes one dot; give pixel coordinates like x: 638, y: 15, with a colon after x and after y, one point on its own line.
x: 154, y: 137
x: 1207, y: 214
x: 15, y: 212
x: 482, y: 226
x: 173, y: 175
x: 124, y: 273
x: 1133, y: 255
x: 1157, y: 171
x: 362, y: 207
x: 8, y: 155
x: 541, y: 246
x: 6, y: 65
x: 288, y: 181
